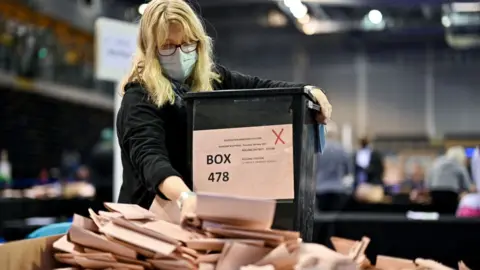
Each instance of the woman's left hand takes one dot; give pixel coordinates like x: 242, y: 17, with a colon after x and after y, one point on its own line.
x: 326, y: 108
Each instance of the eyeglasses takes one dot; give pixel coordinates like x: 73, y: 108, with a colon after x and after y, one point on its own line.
x: 170, y: 49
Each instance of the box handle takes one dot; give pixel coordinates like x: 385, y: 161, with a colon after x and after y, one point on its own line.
x: 313, y: 106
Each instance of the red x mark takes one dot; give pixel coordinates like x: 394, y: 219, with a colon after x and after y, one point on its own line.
x: 278, y: 136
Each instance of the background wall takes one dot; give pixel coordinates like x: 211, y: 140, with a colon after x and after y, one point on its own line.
x: 407, y: 89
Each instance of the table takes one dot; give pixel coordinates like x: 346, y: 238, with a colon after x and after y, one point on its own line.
x: 447, y: 239
x: 397, y: 204
x: 24, y: 208
x: 19, y: 209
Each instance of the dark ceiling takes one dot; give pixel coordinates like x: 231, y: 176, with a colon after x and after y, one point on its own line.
x: 415, y: 19
x: 235, y: 13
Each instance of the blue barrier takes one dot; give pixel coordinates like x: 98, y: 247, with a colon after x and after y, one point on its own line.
x: 49, y: 230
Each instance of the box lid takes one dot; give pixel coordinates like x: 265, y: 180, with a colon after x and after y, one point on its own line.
x: 260, y: 92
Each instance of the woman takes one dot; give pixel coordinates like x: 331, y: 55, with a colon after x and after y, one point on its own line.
x: 448, y: 180
x: 174, y: 54
x: 449, y: 172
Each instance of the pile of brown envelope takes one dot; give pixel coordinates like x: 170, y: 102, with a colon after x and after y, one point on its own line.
x: 224, y: 233
x: 355, y: 250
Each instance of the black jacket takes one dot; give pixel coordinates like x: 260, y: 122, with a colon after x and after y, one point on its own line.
x: 153, y: 140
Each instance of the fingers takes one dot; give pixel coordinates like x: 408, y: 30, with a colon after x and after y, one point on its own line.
x: 321, y: 119
x: 327, y: 109
x: 325, y: 106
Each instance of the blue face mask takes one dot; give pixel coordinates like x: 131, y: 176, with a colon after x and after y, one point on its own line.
x: 179, y: 65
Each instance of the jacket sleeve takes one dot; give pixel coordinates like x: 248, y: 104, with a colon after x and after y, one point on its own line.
x: 141, y: 134
x: 237, y: 80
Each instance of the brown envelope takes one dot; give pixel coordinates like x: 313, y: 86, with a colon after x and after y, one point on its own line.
x: 139, y: 250
x: 66, y: 258
x: 130, y: 211
x: 279, y: 257
x: 208, y: 258
x: 288, y: 235
x: 236, y: 255
x: 293, y: 245
x: 268, y: 238
x: 215, y: 244
x: 109, y: 215
x: 85, y: 223
x: 176, y: 256
x: 166, y: 210
x: 98, y: 220
x: 342, y: 245
x: 358, y: 251
x: 229, y: 209
x: 171, y: 264
x: 89, y: 239
x: 206, y: 266
x: 138, y: 239
x: 64, y: 245
x: 321, y: 252
x: 127, y: 260
x: 91, y: 250
x: 188, y: 251
x: 162, y: 235
x: 431, y: 264
x: 255, y: 267
x: 311, y: 261
x: 392, y: 263
x: 95, y: 264
x: 170, y: 231
x: 462, y: 266
x: 99, y: 256
x: 315, y: 256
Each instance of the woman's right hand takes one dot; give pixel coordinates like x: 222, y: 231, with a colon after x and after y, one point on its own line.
x: 189, y: 205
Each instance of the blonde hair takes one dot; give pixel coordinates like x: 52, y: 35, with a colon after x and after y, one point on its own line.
x: 457, y: 153
x: 154, y: 26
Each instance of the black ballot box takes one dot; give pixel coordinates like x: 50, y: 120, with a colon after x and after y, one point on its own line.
x: 259, y: 143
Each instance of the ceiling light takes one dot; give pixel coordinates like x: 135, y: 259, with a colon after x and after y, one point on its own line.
x: 141, y: 8
x: 375, y: 16
x: 309, y: 29
x: 446, y: 21
x: 299, y: 11
x: 305, y: 19
x: 276, y: 19
x: 291, y: 3
x: 466, y: 7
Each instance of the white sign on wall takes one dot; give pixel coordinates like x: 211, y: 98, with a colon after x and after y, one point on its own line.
x: 115, y: 44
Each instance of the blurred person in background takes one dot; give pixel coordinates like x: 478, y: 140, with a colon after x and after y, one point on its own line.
x: 469, y: 205
x: 415, y: 180
x: 69, y: 165
x: 475, y: 166
x: 333, y: 165
x: 5, y: 174
x: 449, y: 173
x: 448, y: 179
x: 174, y: 56
x: 368, y: 165
x: 414, y: 185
